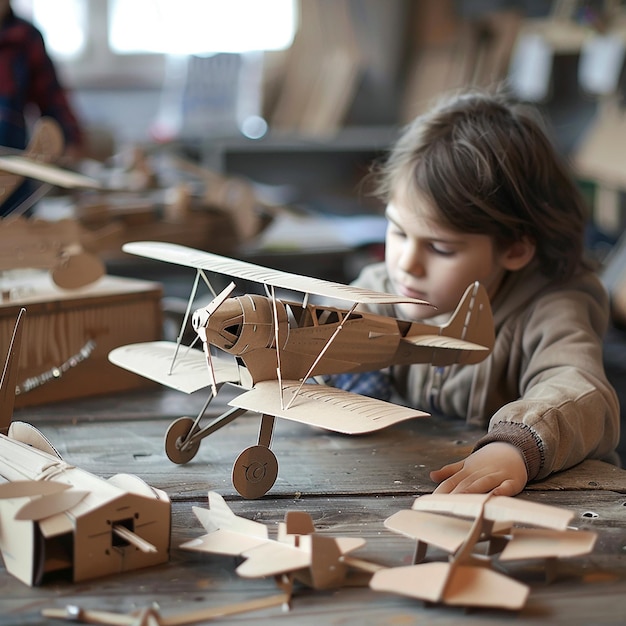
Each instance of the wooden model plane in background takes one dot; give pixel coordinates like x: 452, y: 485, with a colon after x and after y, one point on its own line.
x: 58, y: 519
x: 277, y: 346
x: 297, y: 554
x: 37, y: 162
x: 514, y: 529
x: 56, y: 246
x: 39, y: 244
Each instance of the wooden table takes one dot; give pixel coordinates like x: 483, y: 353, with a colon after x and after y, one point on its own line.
x: 348, y: 484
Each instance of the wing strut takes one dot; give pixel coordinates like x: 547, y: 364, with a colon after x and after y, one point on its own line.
x: 322, y: 352
x: 192, y: 295
x: 276, y: 339
x: 179, y: 339
x: 200, y: 321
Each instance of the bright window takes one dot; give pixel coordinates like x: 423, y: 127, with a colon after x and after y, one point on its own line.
x: 63, y: 24
x: 200, y: 26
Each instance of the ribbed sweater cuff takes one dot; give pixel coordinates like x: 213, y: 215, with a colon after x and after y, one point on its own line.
x: 523, y: 438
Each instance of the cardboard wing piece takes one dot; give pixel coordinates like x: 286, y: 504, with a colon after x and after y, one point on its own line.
x: 37, y: 162
x: 298, y: 552
x: 280, y: 348
x: 45, y: 146
x: 54, y: 246
x: 56, y: 519
x: 515, y: 529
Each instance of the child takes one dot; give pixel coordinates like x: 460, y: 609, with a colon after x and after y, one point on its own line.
x: 475, y: 191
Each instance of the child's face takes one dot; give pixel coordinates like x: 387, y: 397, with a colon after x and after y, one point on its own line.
x: 428, y: 261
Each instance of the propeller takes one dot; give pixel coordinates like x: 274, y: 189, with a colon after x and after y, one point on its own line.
x: 78, y: 270
x: 200, y: 321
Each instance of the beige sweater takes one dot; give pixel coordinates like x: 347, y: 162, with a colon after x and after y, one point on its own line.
x: 543, y: 388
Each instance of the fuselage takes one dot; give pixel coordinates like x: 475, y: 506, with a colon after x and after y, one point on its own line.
x: 311, y: 339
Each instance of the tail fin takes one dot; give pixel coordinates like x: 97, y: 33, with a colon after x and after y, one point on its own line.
x: 472, y: 321
x: 8, y: 381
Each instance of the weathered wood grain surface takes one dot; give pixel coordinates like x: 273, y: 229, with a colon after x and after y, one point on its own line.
x: 348, y: 484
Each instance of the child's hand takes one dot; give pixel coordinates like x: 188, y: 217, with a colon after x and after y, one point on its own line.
x: 497, y: 467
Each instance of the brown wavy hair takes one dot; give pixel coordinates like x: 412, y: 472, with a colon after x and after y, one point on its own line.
x: 489, y: 167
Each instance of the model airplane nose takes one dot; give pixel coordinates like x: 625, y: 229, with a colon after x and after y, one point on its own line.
x: 200, y: 319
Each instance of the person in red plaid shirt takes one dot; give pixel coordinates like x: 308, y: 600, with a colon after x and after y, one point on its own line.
x: 28, y: 78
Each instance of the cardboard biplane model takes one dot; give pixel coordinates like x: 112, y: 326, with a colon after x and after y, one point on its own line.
x: 278, y: 346
x: 515, y: 529
x: 297, y: 554
x: 58, y: 519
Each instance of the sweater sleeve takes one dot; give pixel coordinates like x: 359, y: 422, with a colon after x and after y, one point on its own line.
x: 567, y: 410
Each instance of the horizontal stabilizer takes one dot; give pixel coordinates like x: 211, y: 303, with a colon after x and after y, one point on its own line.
x: 273, y: 558
x: 535, y: 543
x: 440, y: 341
x: 323, y: 406
x: 455, y: 585
x: 153, y: 360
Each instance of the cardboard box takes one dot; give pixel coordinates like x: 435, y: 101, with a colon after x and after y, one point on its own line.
x: 69, y: 334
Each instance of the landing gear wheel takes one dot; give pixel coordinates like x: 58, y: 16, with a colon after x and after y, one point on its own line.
x: 255, y: 471
x: 176, y: 433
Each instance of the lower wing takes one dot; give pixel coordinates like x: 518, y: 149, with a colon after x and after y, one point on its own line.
x: 452, y: 584
x: 324, y: 407
x: 154, y: 359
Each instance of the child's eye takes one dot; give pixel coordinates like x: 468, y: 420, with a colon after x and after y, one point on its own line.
x: 441, y: 250
x: 396, y: 232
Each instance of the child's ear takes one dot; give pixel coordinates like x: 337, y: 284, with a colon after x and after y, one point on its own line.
x: 518, y: 255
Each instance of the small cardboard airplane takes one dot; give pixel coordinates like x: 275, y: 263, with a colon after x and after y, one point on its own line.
x: 277, y: 346
x: 56, y: 519
x: 297, y: 554
x: 37, y: 161
x: 515, y: 529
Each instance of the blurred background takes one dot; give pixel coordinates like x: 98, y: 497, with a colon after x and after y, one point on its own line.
x: 267, y: 116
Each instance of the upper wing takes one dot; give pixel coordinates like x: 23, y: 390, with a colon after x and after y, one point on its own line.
x: 323, y: 406
x: 463, y: 504
x: 46, y: 172
x: 445, y: 532
x: 501, y: 509
x: 153, y: 359
x: 504, y: 508
x: 188, y: 257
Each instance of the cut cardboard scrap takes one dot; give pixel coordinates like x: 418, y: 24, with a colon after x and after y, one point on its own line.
x: 456, y: 523
x: 278, y: 346
x: 151, y: 617
x: 58, y: 519
x: 297, y: 554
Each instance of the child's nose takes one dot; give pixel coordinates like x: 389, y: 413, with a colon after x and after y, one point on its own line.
x: 411, y: 260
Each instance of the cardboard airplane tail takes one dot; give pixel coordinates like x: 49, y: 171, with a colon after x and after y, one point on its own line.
x: 472, y: 321
x: 8, y: 382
